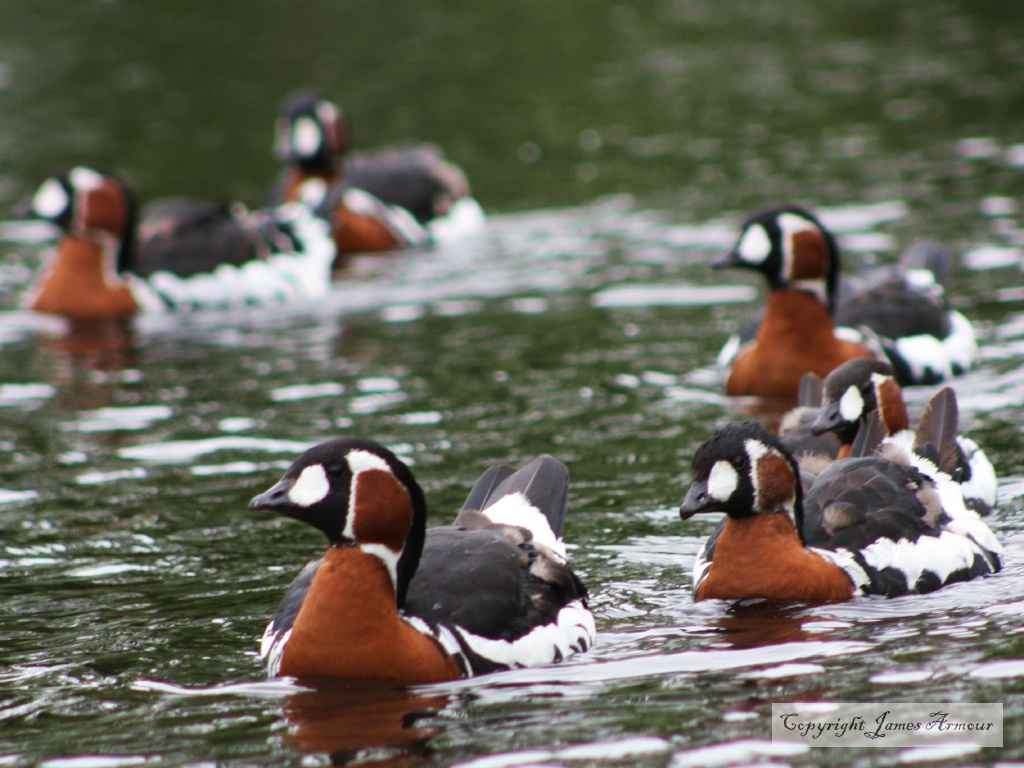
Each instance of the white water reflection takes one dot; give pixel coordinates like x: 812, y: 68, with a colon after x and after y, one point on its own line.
x: 178, y: 451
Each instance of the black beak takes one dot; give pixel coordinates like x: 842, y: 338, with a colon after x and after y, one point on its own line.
x: 24, y: 210
x: 727, y: 260
x: 276, y: 498
x: 829, y: 420
x: 696, y: 500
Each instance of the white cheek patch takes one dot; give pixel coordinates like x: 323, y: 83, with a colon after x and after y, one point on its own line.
x: 306, y: 137
x: 310, y: 487
x: 85, y: 179
x: 51, y: 200
x: 755, y: 245
x: 722, y: 481
x: 851, y: 404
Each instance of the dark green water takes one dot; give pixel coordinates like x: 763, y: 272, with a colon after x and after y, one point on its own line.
x: 616, y: 145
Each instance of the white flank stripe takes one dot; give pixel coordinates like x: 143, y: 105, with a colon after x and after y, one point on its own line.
x: 845, y: 560
x: 573, y: 631
x: 516, y: 509
x: 283, y: 277
x: 272, y: 650
x: 729, y: 350
x: 700, y: 570
x: 941, y: 555
x: 267, y: 640
x: 399, y: 221
x: 465, y: 219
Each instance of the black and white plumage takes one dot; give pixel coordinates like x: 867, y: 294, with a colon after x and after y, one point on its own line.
x: 185, y: 254
x: 312, y: 138
x: 492, y: 591
x: 901, y: 310
x: 889, y: 524
x: 795, y: 427
x: 855, y: 390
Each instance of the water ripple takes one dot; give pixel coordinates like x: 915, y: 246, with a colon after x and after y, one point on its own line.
x: 178, y: 451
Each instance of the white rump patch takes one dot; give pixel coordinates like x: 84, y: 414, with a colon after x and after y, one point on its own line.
x: 722, y: 481
x: 926, y: 354
x: 51, y: 200
x: 516, y: 509
x: 85, y: 179
x: 755, y: 245
x: 983, y: 483
x: 306, y: 136
x: 310, y: 487
x: 851, y: 404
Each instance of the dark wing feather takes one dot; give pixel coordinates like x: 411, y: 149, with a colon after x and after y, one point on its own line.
x: 810, y: 392
x: 490, y: 578
x: 185, y: 237
x: 929, y: 255
x: 415, y: 178
x: 294, y: 596
x: 485, y: 486
x: 545, y: 484
x: 469, y: 578
x: 870, y: 435
x: 935, y: 438
x: 894, y: 309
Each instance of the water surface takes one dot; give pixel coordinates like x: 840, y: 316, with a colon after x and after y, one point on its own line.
x: 618, y: 147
